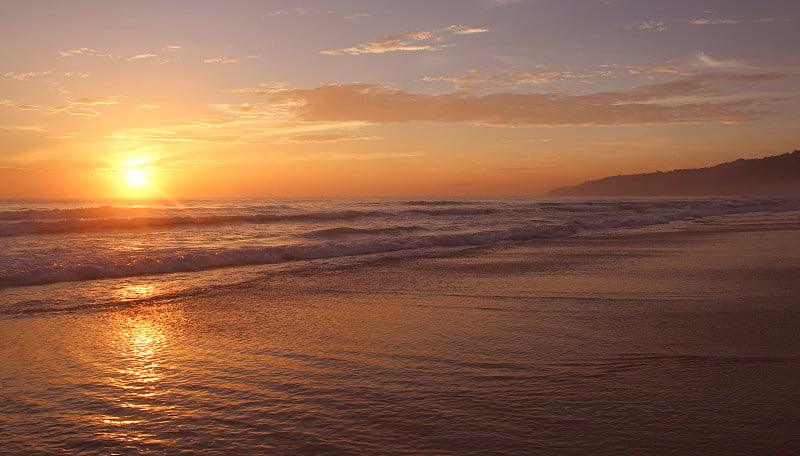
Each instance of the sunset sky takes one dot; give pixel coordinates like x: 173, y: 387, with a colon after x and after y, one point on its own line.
x: 379, y: 98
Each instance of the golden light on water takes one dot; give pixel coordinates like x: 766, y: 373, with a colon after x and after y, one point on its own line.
x: 140, y: 340
x: 135, y: 291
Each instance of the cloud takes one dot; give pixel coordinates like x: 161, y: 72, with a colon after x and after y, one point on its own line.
x: 766, y: 19
x: 141, y: 56
x: 21, y: 107
x: 502, y: 3
x: 318, y: 138
x: 76, y: 111
x: 705, y: 60
x: 415, y: 40
x: 357, y: 16
x: 526, y: 141
x: 22, y: 128
x: 463, y: 30
x: 298, y: 10
x: 222, y: 60
x: 649, y: 25
x: 664, y: 70
x: 375, y: 103
x: 714, y: 21
x: 477, y: 78
x: 98, y: 101
x: 146, y: 106
x: 85, y: 107
x: 24, y: 76
x: 82, y: 51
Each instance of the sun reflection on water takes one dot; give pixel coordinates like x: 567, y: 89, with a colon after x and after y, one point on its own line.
x: 130, y: 292
x: 138, y: 341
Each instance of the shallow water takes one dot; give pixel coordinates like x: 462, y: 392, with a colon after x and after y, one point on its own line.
x: 72, y: 254
x: 673, y: 339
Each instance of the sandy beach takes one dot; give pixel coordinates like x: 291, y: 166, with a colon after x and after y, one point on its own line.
x: 676, y: 340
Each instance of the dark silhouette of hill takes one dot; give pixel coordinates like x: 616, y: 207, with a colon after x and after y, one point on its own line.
x: 770, y: 176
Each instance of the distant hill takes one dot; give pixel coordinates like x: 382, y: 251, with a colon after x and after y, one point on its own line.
x: 770, y: 176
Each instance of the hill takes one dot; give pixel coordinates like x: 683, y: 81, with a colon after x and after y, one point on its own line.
x: 778, y: 175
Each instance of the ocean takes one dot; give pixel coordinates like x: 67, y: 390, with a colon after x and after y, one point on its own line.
x: 400, y: 326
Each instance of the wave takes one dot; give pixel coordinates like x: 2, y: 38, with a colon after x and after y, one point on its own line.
x: 343, y: 241
x: 76, y: 225
x: 454, y: 211
x: 345, y: 231
x: 63, y: 214
x: 170, y: 261
x: 79, y: 224
x: 439, y: 203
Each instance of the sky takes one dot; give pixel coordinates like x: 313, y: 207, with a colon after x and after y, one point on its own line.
x: 108, y: 99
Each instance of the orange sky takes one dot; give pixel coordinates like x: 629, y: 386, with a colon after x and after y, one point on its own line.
x: 353, y: 98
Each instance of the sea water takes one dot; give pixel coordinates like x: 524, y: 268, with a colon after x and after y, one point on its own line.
x: 168, y: 247
x: 400, y: 327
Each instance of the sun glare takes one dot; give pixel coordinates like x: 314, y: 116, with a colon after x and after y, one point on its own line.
x: 137, y: 177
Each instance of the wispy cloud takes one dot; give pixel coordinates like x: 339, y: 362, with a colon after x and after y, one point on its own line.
x: 98, y: 101
x: 657, y: 26
x: 704, y: 60
x: 664, y: 70
x: 82, y: 51
x: 52, y: 75
x: 357, y: 16
x: 87, y: 107
x: 380, y: 104
x: 222, y: 60
x: 76, y: 110
x: 714, y: 21
x: 22, y: 107
x: 464, y: 30
x: 300, y: 11
x: 24, y: 76
x: 146, y: 55
x: 502, y: 3
x: 478, y: 78
x: 415, y: 40
x: 146, y: 106
x: 318, y: 138
x: 22, y: 128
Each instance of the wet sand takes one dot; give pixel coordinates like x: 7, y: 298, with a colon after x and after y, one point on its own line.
x: 652, y: 341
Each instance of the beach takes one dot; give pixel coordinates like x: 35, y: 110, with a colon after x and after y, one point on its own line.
x: 383, y: 228
x: 677, y: 338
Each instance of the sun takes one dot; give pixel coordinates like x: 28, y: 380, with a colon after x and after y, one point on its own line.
x: 137, y: 177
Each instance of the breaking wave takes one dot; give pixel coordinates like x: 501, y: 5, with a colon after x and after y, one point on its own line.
x: 309, y: 231
x: 133, y: 223
x: 197, y: 260
x: 345, y: 231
